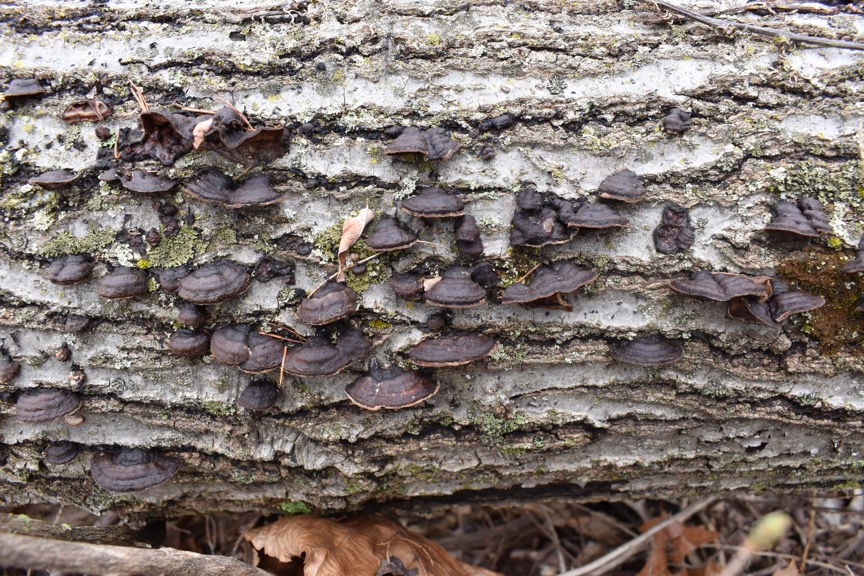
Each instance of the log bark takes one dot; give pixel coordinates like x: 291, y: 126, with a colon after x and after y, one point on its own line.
x: 550, y: 414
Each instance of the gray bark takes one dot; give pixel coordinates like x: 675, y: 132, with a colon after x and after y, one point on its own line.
x: 747, y: 408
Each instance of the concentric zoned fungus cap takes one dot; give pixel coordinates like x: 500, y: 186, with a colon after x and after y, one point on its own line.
x: 317, y: 357
x: 549, y: 282
x: 131, y: 469
x: 53, y: 180
x: 677, y: 121
x: 857, y: 263
x: 433, y: 202
x: 334, y: 301
x: 648, y: 351
x: 217, y: 188
x: 720, y: 287
x: 456, y: 289
x: 45, y: 404
x: 9, y: 369
x: 240, y: 345
x: 406, y: 285
x: 433, y: 144
x: 674, y: 233
x: 805, y: 218
x: 71, y: 269
x: 86, y: 111
x: 440, y: 145
x: 189, y: 343
x: 60, y: 452
x: 784, y: 305
x: 390, y: 388
x: 389, y: 235
x: 595, y: 215
x: 146, y: 182
x: 214, y: 283
x: 624, y: 186
x: 468, y: 240
x: 258, y: 395
x: 23, y: 88
x: 452, y: 349
x: 123, y: 283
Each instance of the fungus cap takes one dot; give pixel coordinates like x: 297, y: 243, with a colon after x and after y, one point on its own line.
x: 468, y: 240
x: 9, y: 368
x: 390, y: 388
x: 674, y: 233
x: 804, y: 218
x: 389, y: 235
x: 132, y: 469
x: 23, y: 87
x: 229, y: 345
x: 538, y: 227
x: 144, y: 182
x: 648, y: 351
x: 857, y: 263
x: 217, y: 188
x: 676, y: 121
x: 258, y: 395
x: 214, y: 283
x: 86, y: 111
x: 719, y: 286
x: 189, y: 343
x: 561, y: 277
x: 317, y: 357
x: 406, y: 285
x: 191, y: 315
x: 784, y: 305
x: 70, y: 269
x: 334, y: 301
x: 453, y: 348
x: 123, y: 282
x: 169, y: 278
x: 456, y: 289
x: 595, y: 215
x: 54, y: 179
x: 752, y: 310
x: 624, y: 186
x: 61, y: 452
x: 433, y: 202
x: 39, y: 405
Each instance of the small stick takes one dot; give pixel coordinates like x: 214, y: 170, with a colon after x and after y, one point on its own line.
x: 287, y: 329
x: 763, y: 30
x: 116, y: 141
x: 811, y: 526
x: 245, y: 171
x: 246, y: 120
x: 95, y: 107
x: 280, y: 337
x: 332, y: 276
x: 531, y: 271
x: 139, y: 97
x: 193, y: 110
x: 282, y: 366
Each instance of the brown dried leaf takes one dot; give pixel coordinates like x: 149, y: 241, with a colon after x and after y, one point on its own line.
x: 354, y: 547
x: 673, y: 543
x: 352, y: 229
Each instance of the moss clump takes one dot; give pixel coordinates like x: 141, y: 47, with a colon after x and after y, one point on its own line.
x: 825, y: 182
x: 494, y: 428
x: 379, y: 324
x: 327, y: 243
x: 65, y: 243
x: 521, y: 260
x: 294, y: 508
x: 819, y: 270
x: 177, y: 250
x: 217, y: 408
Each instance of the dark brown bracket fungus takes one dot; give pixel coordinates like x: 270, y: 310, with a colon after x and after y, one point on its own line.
x: 132, y: 469
x: 123, y: 283
x: 805, y: 218
x: 674, y: 233
x: 230, y: 137
x: 784, y: 305
x: 53, y: 180
x: 188, y: 343
x: 317, y: 357
x: 468, y: 240
x: 60, y: 452
x: 45, y: 404
x: 752, y: 310
x: 9, y: 368
x: 536, y: 223
x: 23, y: 88
x: 857, y: 263
x: 242, y: 346
x: 191, y: 315
x: 594, y: 215
x: 455, y: 289
x: 146, y: 182
x: 648, y: 351
x: 677, y: 121
x: 334, y: 301
x: 453, y: 348
x: 70, y: 269
x: 86, y: 111
x: 214, y: 283
x: 721, y: 287
x: 389, y: 235
x: 548, y: 284
x: 390, y: 388
x: 217, y: 188
x: 433, y: 144
x: 433, y: 202
x: 406, y: 285
x: 75, y: 323
x: 169, y: 278
x: 624, y: 186
x: 258, y: 395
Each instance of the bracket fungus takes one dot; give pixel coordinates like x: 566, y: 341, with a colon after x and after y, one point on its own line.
x: 71, y: 269
x: 804, y: 218
x: 317, y: 357
x: 23, y: 88
x: 334, y: 301
x: 86, y: 111
x: 144, y: 182
x: 721, y: 287
x: 677, y: 121
x: 433, y: 144
x: 191, y: 315
x: 407, y: 285
x: 61, y: 452
x: 169, y: 278
x: 536, y: 223
x: 242, y: 346
x: 454, y: 348
x: 214, y: 283
x: 189, y: 343
x: 132, y: 469
x: 388, y: 235
x: 217, y: 188
x: 258, y: 395
x: 857, y: 263
x: 39, y: 405
x: 594, y: 215
x: 752, y: 310
x: 455, y: 289
x: 53, y: 180
x: 229, y: 136
x: 674, y: 233
x: 123, y: 282
x: 390, y: 388
x: 648, y: 351
x: 433, y: 202
x: 793, y: 302
x: 548, y: 284
x: 468, y: 240
x: 9, y: 368
x: 624, y: 186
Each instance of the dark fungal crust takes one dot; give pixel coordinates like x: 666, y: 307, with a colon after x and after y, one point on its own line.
x: 677, y: 121
x: 804, y: 218
x: 390, y: 388
x: 456, y: 289
x: 720, y: 286
x: 39, y: 405
x: 214, y: 283
x: 407, y: 285
x: 132, y: 469
x: 334, y: 301
x: 648, y: 351
x: 217, y: 188
x: 468, y: 240
x: 788, y: 303
x: 123, y: 283
x: 86, y: 111
x: 624, y: 186
x: 54, y: 179
x: 389, y: 235
x: 674, y: 233
x: 537, y: 222
x: 164, y: 136
x: 9, y: 368
x: 497, y: 123
x: 453, y: 348
x: 23, y: 88
x: 595, y: 215
x: 61, y: 452
x: 258, y: 395
x: 562, y: 277
x: 317, y: 357
x: 189, y: 343
x: 433, y: 202
x: 71, y: 269
x: 144, y: 182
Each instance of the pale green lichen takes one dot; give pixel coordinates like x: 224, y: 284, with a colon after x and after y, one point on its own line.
x: 294, y: 508
x: 494, y: 428
x: 65, y: 243
x: 177, y: 250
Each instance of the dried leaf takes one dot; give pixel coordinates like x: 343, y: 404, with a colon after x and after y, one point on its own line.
x: 352, y: 229
x: 673, y: 544
x: 355, y: 547
x: 790, y: 570
x: 199, y: 132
